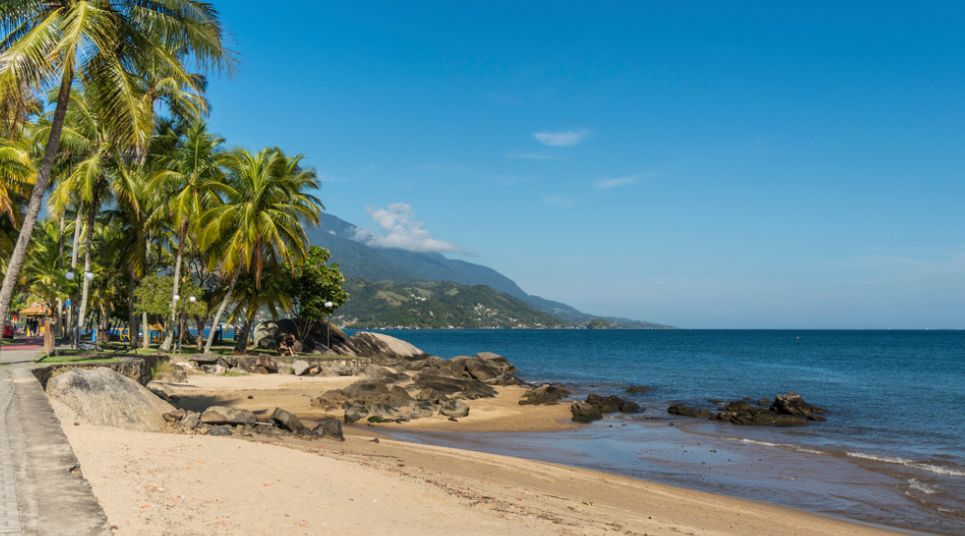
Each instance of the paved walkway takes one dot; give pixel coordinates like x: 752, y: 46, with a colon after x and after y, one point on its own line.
x: 9, y: 512
x: 42, y: 489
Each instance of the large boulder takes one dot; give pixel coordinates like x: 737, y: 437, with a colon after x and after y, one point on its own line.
x: 384, y: 347
x: 329, y: 427
x: 225, y: 415
x: 545, y: 394
x: 467, y: 388
x: 300, y: 367
x: 103, y: 397
x: 287, y: 421
x: 585, y: 412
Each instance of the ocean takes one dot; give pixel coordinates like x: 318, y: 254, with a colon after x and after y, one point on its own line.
x: 892, y: 451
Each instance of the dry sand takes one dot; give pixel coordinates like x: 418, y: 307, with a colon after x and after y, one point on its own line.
x: 155, y: 483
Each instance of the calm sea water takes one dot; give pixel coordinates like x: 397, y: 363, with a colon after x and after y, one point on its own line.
x: 891, y: 452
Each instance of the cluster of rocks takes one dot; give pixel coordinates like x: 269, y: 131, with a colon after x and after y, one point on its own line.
x: 222, y: 420
x: 596, y: 406
x: 592, y: 409
x: 788, y: 409
x: 411, y: 386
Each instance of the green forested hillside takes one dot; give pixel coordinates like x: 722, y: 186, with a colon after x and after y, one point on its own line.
x: 436, y: 304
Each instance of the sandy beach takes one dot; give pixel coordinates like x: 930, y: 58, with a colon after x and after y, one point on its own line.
x: 153, y: 483
x: 165, y: 483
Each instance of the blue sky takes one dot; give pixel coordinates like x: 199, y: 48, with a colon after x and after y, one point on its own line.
x: 704, y: 164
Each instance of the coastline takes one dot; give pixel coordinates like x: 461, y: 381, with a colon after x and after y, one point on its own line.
x: 159, y: 483
x: 499, y: 420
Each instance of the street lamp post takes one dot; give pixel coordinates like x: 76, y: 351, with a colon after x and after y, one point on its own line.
x: 89, y: 276
x: 328, y: 326
x: 73, y: 337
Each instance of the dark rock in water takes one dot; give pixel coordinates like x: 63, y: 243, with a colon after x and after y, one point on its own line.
x: 454, y: 409
x: 793, y: 404
x: 287, y: 421
x: 688, y: 411
x: 226, y: 415
x: 605, y: 404
x: 786, y: 410
x: 329, y: 427
x: 544, y: 394
x: 639, y: 389
x: 629, y: 406
x: 585, y: 412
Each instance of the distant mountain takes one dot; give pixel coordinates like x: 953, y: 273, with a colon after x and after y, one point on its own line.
x: 436, y: 304
x: 360, y: 261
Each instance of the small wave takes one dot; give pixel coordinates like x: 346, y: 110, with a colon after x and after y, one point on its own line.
x: 780, y: 445
x: 930, y: 467
x: 919, y: 486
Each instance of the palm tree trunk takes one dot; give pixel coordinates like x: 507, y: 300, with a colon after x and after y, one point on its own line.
x: 218, y: 315
x: 241, y: 345
x: 40, y: 188
x: 169, y: 337
x: 146, y: 336
x: 85, y: 283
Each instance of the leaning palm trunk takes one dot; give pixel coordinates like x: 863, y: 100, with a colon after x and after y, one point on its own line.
x: 169, y: 337
x: 85, y: 285
x: 217, y: 316
x: 19, y: 254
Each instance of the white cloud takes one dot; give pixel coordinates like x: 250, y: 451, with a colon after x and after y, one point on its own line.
x: 563, y: 138
x: 559, y: 201
x: 401, y: 230
x: 616, y: 182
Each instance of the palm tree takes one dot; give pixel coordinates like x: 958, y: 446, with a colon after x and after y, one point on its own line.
x: 107, y: 45
x: 17, y: 174
x: 259, y: 218
x: 185, y: 177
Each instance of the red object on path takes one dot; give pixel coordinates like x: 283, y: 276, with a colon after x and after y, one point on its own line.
x: 33, y: 343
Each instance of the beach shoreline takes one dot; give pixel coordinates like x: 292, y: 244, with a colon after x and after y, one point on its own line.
x: 160, y: 483
x: 501, y: 416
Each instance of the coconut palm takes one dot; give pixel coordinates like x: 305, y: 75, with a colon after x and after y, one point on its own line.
x: 17, y: 175
x: 259, y: 216
x: 107, y: 45
x: 186, y: 173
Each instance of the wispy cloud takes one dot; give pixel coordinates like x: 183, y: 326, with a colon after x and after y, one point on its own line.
x: 562, y: 138
x: 559, y: 201
x: 617, y: 182
x: 401, y: 230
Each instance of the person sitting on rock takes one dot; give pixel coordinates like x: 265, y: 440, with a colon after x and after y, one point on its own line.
x: 287, y: 345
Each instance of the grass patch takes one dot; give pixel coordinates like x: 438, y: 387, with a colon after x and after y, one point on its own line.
x: 76, y: 359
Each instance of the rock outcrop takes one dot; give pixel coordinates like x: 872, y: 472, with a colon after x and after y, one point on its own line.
x: 788, y: 409
x: 545, y: 394
x: 103, y: 397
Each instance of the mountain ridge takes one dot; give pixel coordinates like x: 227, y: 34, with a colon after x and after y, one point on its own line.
x: 359, y: 260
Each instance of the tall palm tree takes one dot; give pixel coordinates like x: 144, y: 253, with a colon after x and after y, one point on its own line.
x: 186, y: 174
x: 262, y: 206
x: 106, y: 44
